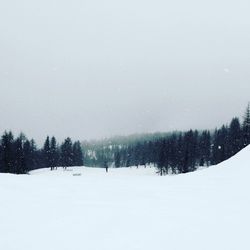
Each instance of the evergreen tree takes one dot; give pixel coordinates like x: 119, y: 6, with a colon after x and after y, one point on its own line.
x: 136, y: 155
x: 221, y: 146
x: 204, y: 148
x: 19, y: 164
x: 246, y: 127
x: 235, y: 142
x: 128, y: 157
x: 162, y: 157
x: 29, y: 155
x: 35, y: 159
x: 47, y: 153
x: 67, y: 153
x: 7, y: 152
x: 190, y: 153
x: 77, y: 154
x: 172, y: 153
x: 53, y: 154
x: 117, y: 159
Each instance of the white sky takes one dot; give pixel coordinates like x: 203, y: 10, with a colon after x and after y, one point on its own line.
x: 90, y: 69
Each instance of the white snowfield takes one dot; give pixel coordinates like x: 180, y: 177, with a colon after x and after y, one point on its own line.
x: 127, y: 209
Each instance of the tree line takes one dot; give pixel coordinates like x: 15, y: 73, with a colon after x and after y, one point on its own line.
x: 178, y: 152
x: 20, y: 155
x: 171, y: 153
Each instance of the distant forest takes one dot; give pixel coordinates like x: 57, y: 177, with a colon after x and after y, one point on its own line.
x: 172, y: 153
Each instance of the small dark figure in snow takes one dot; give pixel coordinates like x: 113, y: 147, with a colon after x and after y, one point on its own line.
x: 106, y: 166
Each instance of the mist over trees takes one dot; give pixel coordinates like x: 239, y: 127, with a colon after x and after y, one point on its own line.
x: 172, y: 153
x: 177, y: 152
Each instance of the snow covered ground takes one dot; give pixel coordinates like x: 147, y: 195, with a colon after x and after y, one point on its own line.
x: 127, y: 209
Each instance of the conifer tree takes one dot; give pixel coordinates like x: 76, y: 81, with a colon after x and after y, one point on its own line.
x: 204, y: 150
x: 7, y: 152
x: 117, y: 159
x: 29, y: 155
x: 77, y: 154
x: 67, y: 153
x: 162, y: 157
x: 53, y: 154
x: 19, y: 162
x: 47, y: 153
x: 246, y: 127
x: 235, y: 143
x: 221, y: 149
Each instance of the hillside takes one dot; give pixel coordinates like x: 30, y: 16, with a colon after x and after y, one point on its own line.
x: 127, y: 209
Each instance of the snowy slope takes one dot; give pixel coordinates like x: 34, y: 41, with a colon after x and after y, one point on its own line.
x: 127, y: 209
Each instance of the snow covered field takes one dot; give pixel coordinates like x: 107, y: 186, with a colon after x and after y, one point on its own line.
x: 127, y: 209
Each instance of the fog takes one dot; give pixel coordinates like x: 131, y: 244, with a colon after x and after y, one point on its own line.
x: 92, y: 69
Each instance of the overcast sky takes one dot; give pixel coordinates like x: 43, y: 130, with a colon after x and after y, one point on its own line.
x: 95, y: 68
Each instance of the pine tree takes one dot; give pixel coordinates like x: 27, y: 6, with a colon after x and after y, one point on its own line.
x: 172, y: 153
x: 53, y: 154
x: 128, y: 157
x: 67, y: 153
x: 19, y: 162
x: 29, y: 156
x: 204, y: 151
x: 117, y: 159
x: 190, y: 142
x: 47, y: 153
x: 235, y: 142
x: 162, y: 157
x: 34, y: 160
x: 246, y: 127
x: 221, y: 146
x: 77, y: 154
x: 7, y: 152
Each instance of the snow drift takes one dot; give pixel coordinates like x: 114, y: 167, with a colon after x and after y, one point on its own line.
x: 127, y: 209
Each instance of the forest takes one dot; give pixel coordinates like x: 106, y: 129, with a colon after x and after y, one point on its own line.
x: 172, y: 153
x: 21, y: 155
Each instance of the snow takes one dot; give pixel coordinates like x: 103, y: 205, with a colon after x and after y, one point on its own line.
x: 127, y: 209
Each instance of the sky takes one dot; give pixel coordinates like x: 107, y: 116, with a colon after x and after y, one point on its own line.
x: 93, y: 69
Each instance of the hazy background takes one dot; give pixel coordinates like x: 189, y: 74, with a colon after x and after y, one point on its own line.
x: 90, y: 69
